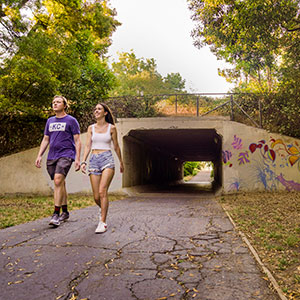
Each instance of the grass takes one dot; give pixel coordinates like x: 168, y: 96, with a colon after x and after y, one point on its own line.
x: 271, y: 222
x: 16, y: 210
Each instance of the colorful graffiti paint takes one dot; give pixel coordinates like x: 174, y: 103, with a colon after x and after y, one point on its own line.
x: 226, y: 155
x: 264, y: 149
x: 237, y: 143
x: 292, y: 151
x: 290, y: 185
x: 262, y: 161
x: 243, y: 158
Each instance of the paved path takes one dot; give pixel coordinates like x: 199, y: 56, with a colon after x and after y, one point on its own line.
x: 158, y: 246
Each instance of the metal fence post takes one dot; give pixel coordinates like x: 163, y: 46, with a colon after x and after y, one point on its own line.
x: 198, y: 106
x: 260, y: 114
x: 176, y: 105
x: 231, y: 101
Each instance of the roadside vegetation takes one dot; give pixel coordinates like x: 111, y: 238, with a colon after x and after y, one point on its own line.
x: 191, y: 168
x: 271, y: 222
x: 15, y: 210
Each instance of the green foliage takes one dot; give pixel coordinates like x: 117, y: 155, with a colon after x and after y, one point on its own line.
x: 261, y: 39
x: 139, y: 76
x: 57, y: 47
x: 191, y: 168
x: 61, y: 51
x: 136, y: 80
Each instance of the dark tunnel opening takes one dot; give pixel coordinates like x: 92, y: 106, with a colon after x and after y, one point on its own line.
x: 155, y: 157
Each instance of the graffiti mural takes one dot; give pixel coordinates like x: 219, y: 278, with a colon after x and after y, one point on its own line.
x: 262, y: 165
x: 243, y: 158
x: 265, y: 150
x: 290, y: 185
x: 237, y: 143
x: 226, y: 155
x: 292, y: 152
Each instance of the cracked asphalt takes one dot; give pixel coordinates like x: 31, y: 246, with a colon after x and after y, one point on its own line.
x: 158, y: 246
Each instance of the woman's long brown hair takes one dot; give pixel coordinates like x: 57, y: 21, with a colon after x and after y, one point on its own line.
x: 109, y: 118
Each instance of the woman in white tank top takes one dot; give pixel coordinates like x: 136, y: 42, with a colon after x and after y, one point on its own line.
x: 101, y: 164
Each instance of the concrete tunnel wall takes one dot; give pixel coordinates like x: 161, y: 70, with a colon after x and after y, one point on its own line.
x: 148, y: 165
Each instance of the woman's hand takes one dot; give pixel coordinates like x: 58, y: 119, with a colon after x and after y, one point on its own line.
x: 83, y: 167
x: 121, y: 167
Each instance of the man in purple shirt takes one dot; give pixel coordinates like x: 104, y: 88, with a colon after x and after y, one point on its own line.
x: 62, y: 132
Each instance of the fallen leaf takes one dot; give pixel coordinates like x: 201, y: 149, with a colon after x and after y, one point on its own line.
x: 16, y: 282
x: 73, y: 297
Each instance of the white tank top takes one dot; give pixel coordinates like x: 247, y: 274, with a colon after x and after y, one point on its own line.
x: 101, y: 141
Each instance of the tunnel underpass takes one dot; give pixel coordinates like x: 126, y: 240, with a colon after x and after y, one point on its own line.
x: 156, y: 156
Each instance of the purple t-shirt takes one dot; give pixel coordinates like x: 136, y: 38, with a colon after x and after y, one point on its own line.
x: 61, y: 134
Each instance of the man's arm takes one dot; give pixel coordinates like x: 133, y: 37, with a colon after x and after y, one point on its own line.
x: 43, y: 147
x: 78, y: 150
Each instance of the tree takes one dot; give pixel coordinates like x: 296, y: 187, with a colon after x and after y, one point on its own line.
x: 139, y: 76
x: 174, y: 82
x: 61, y: 50
x: 261, y: 40
x: 50, y: 47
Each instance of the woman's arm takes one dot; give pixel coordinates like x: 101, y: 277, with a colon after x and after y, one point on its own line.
x: 114, y: 137
x: 87, y: 149
x: 78, y: 150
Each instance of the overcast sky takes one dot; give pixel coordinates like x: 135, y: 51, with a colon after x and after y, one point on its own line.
x: 161, y: 29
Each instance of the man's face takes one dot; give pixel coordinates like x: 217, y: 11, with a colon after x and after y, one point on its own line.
x: 58, y: 105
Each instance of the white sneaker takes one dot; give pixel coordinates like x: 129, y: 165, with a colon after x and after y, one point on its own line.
x: 102, y: 227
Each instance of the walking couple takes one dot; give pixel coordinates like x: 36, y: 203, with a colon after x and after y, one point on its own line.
x: 62, y: 133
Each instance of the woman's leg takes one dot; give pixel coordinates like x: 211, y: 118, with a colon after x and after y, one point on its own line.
x: 106, y: 178
x: 95, y: 183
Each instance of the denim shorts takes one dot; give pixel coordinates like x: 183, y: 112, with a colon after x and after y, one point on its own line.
x: 61, y: 166
x: 101, y: 161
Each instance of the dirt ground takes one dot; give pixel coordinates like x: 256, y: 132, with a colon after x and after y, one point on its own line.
x: 271, y: 222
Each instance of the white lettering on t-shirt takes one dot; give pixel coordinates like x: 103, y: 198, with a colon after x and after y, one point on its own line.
x: 57, y: 127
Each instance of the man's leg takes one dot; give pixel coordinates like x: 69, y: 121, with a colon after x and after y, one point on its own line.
x: 65, y: 195
x: 65, y: 214
x: 60, y: 197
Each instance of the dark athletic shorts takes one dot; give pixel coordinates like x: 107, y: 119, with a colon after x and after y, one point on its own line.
x: 61, y: 166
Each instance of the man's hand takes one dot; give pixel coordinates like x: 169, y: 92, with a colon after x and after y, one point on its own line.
x: 38, y: 162
x: 77, y: 165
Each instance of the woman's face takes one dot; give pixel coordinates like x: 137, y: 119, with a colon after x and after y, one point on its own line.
x: 99, y: 111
